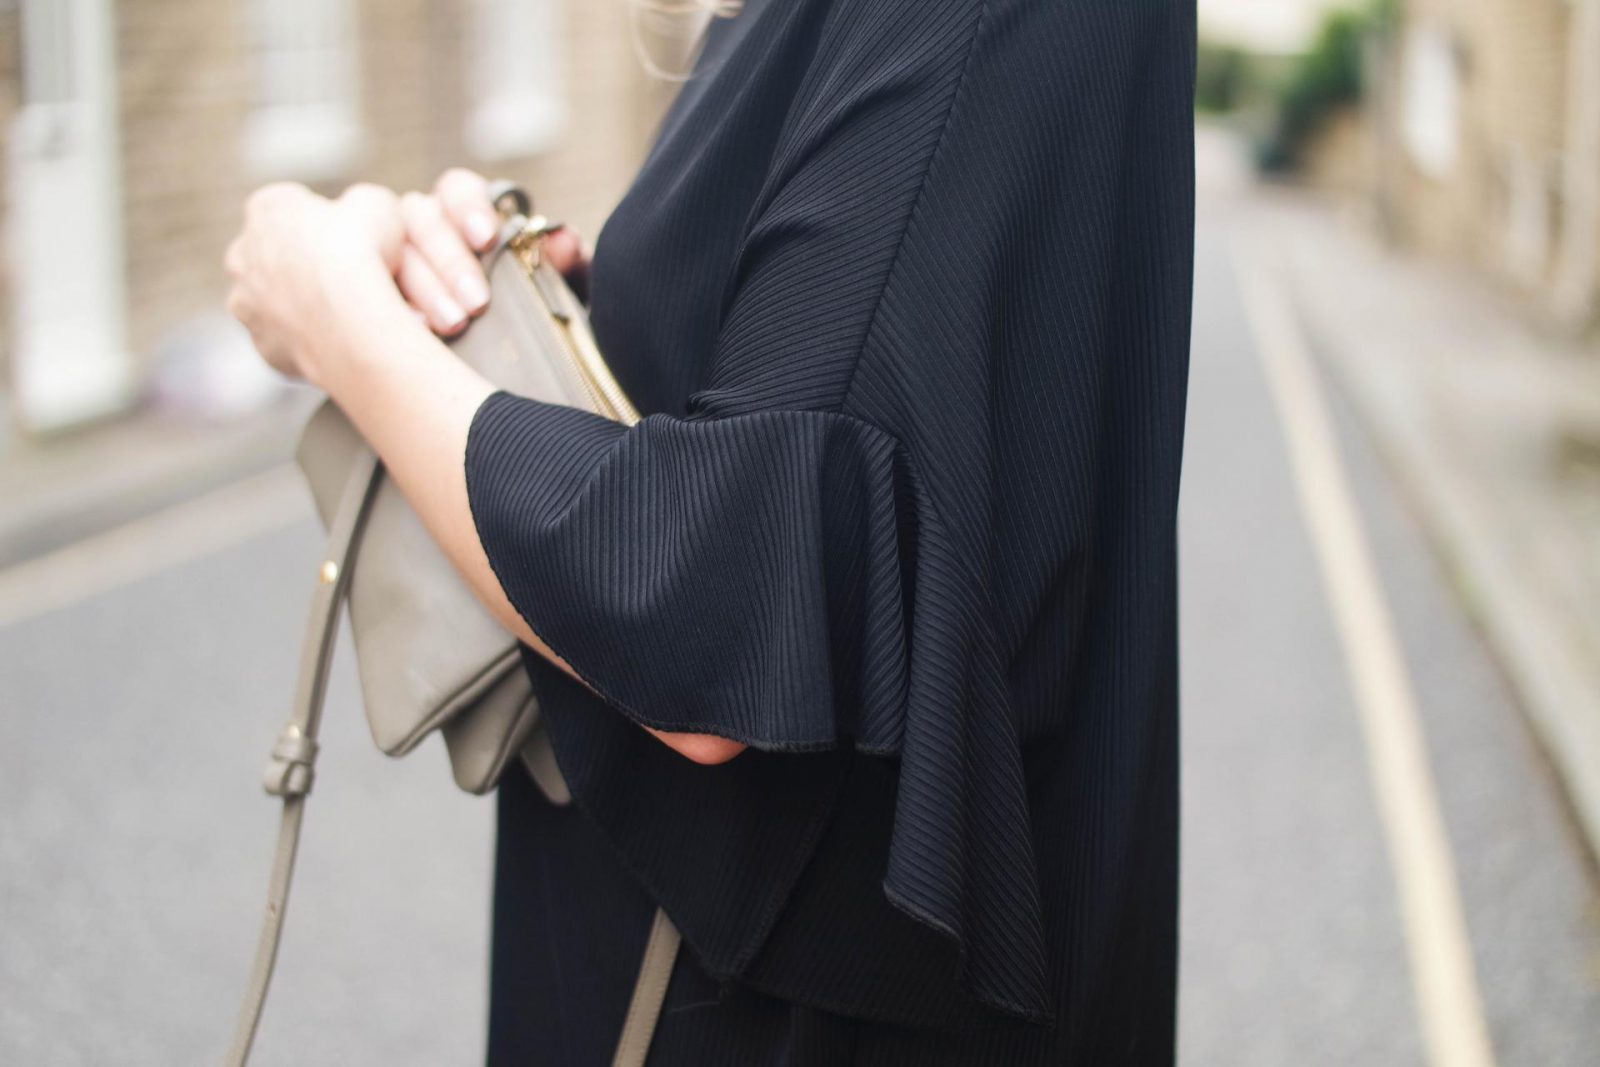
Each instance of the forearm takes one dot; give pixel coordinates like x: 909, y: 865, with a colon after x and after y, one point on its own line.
x: 414, y: 401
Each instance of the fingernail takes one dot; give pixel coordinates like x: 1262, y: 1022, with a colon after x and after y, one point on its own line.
x: 448, y: 313
x: 481, y: 228
x: 473, y: 292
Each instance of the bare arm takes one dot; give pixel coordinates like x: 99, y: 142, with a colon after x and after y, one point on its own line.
x: 347, y: 329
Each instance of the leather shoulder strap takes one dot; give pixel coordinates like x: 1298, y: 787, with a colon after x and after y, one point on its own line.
x: 290, y: 772
x: 655, y: 971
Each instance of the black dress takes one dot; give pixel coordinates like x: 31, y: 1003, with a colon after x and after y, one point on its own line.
x: 903, y: 289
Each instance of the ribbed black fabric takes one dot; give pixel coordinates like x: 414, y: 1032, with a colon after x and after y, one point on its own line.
x: 903, y: 287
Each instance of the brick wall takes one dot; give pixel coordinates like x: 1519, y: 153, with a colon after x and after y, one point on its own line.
x: 1513, y: 89
x: 614, y: 107
x: 183, y: 81
x: 185, y: 76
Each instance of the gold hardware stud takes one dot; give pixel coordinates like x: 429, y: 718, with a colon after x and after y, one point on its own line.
x: 329, y: 572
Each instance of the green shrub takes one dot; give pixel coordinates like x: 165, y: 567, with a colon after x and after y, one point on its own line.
x: 1224, y: 77
x: 1326, y: 78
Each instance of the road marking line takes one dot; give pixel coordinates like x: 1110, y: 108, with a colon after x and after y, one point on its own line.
x: 268, y: 501
x: 1437, y: 941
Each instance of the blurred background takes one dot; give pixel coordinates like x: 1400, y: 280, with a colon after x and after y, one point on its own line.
x: 1390, y: 524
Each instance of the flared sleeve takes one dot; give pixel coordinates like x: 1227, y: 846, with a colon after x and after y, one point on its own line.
x: 736, y: 576
x: 801, y: 561
x: 779, y: 578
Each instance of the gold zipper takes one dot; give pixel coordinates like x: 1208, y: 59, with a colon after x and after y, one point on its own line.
x: 596, y: 374
x: 601, y: 384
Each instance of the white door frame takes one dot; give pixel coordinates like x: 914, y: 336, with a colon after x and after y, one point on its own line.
x: 70, y: 359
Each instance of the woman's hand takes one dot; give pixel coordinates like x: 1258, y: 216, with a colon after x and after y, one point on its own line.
x: 301, y: 259
x: 314, y: 281
x: 439, y: 272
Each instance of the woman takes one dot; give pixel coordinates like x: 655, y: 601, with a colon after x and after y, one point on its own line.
x: 859, y: 651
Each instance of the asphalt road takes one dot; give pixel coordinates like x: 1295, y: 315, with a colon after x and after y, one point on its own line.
x: 144, y: 676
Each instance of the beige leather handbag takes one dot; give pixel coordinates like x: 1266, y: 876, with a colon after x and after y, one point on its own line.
x: 429, y: 655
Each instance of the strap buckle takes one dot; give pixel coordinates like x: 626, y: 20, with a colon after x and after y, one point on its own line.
x: 291, y: 767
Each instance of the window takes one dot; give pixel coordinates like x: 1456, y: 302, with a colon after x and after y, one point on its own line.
x: 1432, y: 116
x: 304, y: 121
x: 515, y: 78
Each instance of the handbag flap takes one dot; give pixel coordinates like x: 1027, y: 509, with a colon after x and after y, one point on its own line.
x: 428, y: 652
x: 326, y: 452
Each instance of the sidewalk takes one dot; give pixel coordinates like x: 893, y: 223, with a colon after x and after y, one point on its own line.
x: 65, y: 488
x: 1493, y: 428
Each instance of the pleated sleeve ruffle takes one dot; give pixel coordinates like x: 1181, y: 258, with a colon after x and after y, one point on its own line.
x: 775, y: 578
x: 738, y: 577
x: 779, y: 566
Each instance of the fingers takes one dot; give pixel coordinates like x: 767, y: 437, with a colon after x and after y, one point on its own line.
x: 464, y: 195
x: 370, y: 202
x: 376, y: 210
x: 439, y: 272
x: 441, y: 244
x: 427, y: 292
x: 235, y: 304
x: 271, y: 197
x: 564, y: 250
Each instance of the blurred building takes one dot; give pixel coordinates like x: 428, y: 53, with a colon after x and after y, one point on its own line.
x: 1274, y: 27
x: 136, y: 128
x: 1489, y: 116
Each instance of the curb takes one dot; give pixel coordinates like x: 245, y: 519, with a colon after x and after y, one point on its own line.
x: 132, y: 468
x: 1554, y: 678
